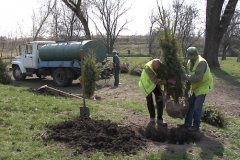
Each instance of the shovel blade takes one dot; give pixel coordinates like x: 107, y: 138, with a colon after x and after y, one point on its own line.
x: 84, y: 112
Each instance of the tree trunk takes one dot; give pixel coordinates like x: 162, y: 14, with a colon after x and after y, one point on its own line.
x: 85, y: 25
x: 211, y: 53
x: 224, y: 53
x: 150, y: 48
x: 76, y: 7
x: 216, y: 26
x: 150, y: 42
x: 3, y: 45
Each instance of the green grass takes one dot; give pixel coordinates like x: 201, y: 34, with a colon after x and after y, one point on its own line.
x: 230, y: 66
x: 166, y: 156
x: 229, y: 71
x: 133, y: 61
x: 133, y: 48
x: 24, y: 115
x: 23, y: 119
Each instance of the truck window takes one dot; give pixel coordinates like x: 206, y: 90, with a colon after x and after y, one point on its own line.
x: 22, y: 49
x: 28, y: 49
x: 25, y: 49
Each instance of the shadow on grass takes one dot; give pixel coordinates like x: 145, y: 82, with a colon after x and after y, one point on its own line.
x: 233, y: 80
x: 212, y: 148
x: 184, y: 144
x: 209, y: 148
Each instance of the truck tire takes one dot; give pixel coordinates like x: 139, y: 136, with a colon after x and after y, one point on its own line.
x: 60, y: 78
x: 17, y: 74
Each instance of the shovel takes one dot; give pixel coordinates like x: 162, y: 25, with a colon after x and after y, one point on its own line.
x: 84, y: 110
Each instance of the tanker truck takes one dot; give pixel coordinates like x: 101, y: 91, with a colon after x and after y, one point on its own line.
x: 61, y: 60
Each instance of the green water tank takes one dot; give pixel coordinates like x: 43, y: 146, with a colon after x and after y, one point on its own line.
x: 67, y: 51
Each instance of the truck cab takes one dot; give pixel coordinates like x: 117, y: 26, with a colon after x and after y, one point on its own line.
x: 26, y: 64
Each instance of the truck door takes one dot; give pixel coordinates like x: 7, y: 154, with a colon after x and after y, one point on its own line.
x: 28, y: 57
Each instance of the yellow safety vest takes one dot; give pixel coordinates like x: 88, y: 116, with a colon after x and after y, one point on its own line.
x: 206, y: 84
x: 145, y: 83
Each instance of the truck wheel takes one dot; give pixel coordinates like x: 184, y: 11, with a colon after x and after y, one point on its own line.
x: 17, y: 74
x: 60, y: 77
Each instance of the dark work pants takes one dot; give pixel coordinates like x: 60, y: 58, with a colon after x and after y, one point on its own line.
x: 159, y: 102
x: 116, y: 75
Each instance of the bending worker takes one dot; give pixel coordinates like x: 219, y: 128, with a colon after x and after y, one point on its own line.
x: 200, y: 77
x: 150, y: 83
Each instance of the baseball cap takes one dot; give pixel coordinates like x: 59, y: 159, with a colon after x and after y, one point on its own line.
x: 191, y: 52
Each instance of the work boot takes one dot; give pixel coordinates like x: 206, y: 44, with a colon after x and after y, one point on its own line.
x: 151, y: 124
x: 150, y: 131
x: 185, y: 126
x: 161, y: 123
x: 162, y: 132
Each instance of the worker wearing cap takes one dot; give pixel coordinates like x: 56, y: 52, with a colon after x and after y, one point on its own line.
x: 150, y: 83
x: 116, y: 64
x: 200, y: 77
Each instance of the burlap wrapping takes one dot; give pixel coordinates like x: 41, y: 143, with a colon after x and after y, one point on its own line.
x: 176, y: 110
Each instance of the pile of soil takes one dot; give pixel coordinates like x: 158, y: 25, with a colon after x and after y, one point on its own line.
x: 86, y: 135
x: 178, y: 135
x: 171, y: 134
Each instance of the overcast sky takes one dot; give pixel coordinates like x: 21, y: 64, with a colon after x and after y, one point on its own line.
x: 16, y: 14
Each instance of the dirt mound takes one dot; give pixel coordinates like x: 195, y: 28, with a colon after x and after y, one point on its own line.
x: 181, y: 136
x: 86, y: 135
x: 171, y: 134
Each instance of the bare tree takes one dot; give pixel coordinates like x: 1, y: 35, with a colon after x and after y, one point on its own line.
x: 185, y: 24
x: 70, y: 26
x: 178, y: 9
x: 13, y: 45
x: 56, y: 16
x: 79, y: 8
x: 181, y: 19
x: 109, y: 13
x: 23, y: 36
x: 44, y: 14
x: 217, y: 23
x: 232, y: 35
x: 3, y: 41
x: 164, y: 18
x: 152, y: 32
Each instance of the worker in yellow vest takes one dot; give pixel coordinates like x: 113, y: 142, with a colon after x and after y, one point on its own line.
x: 151, y: 84
x: 200, y: 77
